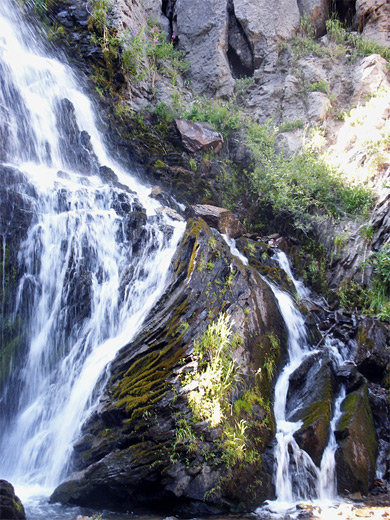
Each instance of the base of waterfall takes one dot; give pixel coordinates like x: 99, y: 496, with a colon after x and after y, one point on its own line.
x: 354, y: 506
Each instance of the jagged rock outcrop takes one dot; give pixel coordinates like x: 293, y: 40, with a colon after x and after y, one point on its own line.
x: 267, y: 24
x: 145, y: 446
x: 11, y: 508
x: 373, y: 18
x: 317, y: 12
x: 202, y: 32
x: 251, y: 30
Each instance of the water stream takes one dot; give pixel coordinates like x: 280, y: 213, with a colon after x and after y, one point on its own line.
x: 91, y: 270
x: 296, y: 477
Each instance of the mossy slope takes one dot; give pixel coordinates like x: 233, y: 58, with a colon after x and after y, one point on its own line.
x: 144, y: 447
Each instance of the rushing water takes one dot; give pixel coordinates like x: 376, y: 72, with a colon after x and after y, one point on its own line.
x: 296, y: 477
x: 89, y: 279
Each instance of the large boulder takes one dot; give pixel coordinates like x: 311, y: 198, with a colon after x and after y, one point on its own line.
x: 310, y: 400
x: 11, y: 508
x: 146, y: 445
x: 198, y: 137
x: 357, y: 450
x: 220, y: 218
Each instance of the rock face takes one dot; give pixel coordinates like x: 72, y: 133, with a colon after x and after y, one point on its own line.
x: 317, y: 11
x: 267, y: 24
x: 312, y: 403
x: 11, y: 508
x: 226, y: 38
x: 198, y: 137
x: 202, y: 31
x: 373, y: 351
x: 221, y: 219
x: 145, y: 445
x: 17, y: 203
x: 373, y: 18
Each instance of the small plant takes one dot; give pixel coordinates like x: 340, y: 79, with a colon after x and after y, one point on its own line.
x: 319, y: 86
x: 367, y: 232
x: 352, y: 296
x: 288, y: 126
x: 210, y: 265
x: 193, y: 165
x: 340, y: 241
x: 215, y: 373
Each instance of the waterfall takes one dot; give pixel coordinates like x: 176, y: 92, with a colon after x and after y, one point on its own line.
x: 94, y: 259
x: 296, y: 477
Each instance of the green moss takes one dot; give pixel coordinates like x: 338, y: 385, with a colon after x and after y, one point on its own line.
x: 145, y: 383
x: 159, y: 165
x: 358, y: 447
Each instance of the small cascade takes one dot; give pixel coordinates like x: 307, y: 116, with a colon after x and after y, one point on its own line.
x: 93, y: 261
x: 327, y: 484
x: 293, y: 465
x: 296, y: 477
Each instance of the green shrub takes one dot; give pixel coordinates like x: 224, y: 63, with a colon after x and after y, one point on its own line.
x: 222, y: 115
x: 215, y: 372
x: 300, y: 187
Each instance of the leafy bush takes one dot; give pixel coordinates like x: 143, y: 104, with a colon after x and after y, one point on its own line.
x: 223, y: 116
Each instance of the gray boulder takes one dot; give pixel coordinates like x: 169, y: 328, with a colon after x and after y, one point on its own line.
x: 11, y: 508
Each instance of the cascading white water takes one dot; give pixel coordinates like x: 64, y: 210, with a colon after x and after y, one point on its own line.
x: 88, y: 283
x: 296, y: 476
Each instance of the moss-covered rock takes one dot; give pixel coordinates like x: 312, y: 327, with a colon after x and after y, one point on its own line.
x: 11, y: 508
x: 146, y: 447
x: 357, y: 451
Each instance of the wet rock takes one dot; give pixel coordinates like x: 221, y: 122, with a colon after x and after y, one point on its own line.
x: 156, y: 192
x: 11, y: 508
x: 198, y: 136
x: 220, y: 218
x: 17, y: 205
x: 74, y: 144
x: 310, y: 399
x: 357, y: 450
x: 137, y: 457
x: 171, y: 213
